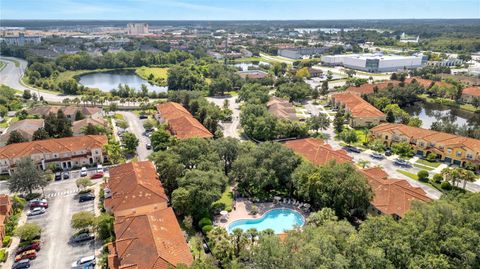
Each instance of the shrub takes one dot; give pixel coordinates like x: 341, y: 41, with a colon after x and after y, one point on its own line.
x: 422, y: 175
x: 32, y: 196
x: 431, y: 157
x: 3, y: 255
x: 29, y: 231
x: 217, y: 207
x: 207, y: 228
x: 204, y: 222
x: 437, y: 178
x: 6, y: 241
x: 446, y: 185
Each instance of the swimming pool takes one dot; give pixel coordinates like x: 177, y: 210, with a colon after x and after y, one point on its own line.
x: 279, y: 220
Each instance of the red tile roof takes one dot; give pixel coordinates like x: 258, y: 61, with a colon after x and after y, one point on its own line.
x: 392, y: 196
x: 55, y: 145
x: 134, y: 185
x: 474, y: 91
x: 181, y: 123
x: 362, y: 89
x: 426, y: 83
x: 282, y: 108
x: 317, y: 151
x: 356, y: 105
x: 429, y: 135
x: 149, y: 241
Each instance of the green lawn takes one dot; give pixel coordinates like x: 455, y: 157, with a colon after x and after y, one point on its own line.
x: 2, y: 65
x: 424, y: 167
x: 227, y: 199
x: 427, y: 163
x: 118, y: 116
x: 159, y: 74
x: 249, y: 59
x: 362, y: 137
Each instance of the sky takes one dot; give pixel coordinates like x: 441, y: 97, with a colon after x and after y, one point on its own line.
x: 238, y: 9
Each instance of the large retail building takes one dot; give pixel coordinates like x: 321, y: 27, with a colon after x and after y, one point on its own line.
x: 376, y: 62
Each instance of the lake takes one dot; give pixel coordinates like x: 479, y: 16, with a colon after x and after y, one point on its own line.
x: 106, y: 81
x: 430, y: 113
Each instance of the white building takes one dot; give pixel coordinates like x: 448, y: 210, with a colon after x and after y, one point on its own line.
x: 137, y: 29
x: 21, y: 40
x: 376, y: 62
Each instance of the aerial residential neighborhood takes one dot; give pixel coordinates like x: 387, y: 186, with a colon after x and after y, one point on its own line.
x: 248, y: 134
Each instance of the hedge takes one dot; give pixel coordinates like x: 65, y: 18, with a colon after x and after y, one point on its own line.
x: 3, y: 255
x: 6, y: 241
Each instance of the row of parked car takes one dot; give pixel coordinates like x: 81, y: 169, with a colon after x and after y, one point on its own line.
x: 25, y: 254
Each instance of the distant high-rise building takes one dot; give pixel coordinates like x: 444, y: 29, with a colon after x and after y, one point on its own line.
x: 137, y: 29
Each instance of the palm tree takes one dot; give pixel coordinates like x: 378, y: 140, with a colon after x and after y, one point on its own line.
x: 363, y: 163
x: 66, y: 101
x: 466, y: 175
x: 76, y: 101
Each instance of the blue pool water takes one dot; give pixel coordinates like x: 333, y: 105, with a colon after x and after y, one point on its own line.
x: 279, y: 220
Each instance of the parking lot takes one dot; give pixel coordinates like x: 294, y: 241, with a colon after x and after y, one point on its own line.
x: 56, y: 250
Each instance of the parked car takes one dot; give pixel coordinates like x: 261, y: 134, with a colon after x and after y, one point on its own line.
x: 352, y: 149
x: 85, y: 262
x: 143, y: 116
x: 40, y: 203
x: 388, y: 152
x: 58, y: 176
x: 148, y: 146
x: 377, y: 156
x: 86, y: 197
x: 66, y: 175
x: 83, y: 172
x: 403, y: 163
x: 82, y: 237
x: 29, y: 254
x: 36, y: 211
x: 21, y: 264
x: 99, y: 168
x: 34, y: 246
x: 96, y: 175
x: 37, y: 200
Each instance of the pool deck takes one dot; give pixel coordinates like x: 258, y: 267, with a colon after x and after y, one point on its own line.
x: 243, y: 208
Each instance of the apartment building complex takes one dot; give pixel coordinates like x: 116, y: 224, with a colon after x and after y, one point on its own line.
x: 362, y: 113
x: 281, y: 108
x: 64, y: 153
x: 450, y: 148
x: 147, y: 231
x: 180, y: 122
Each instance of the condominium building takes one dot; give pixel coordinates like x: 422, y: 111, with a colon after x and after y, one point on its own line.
x: 375, y: 62
x: 137, y: 29
x: 147, y: 233
x: 450, y: 148
x: 20, y: 40
x: 64, y: 153
x: 470, y: 94
x: 282, y: 109
x: 362, y: 113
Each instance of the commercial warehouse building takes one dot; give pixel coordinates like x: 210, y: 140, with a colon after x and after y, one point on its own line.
x: 376, y: 62
x: 299, y: 53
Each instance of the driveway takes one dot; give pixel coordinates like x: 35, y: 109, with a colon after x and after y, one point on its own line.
x: 230, y: 129
x: 135, y: 125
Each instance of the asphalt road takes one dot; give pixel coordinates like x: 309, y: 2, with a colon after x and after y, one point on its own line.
x: 230, y: 129
x: 11, y: 76
x: 135, y: 125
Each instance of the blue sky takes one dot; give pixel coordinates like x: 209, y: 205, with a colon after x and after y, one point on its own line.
x: 237, y: 9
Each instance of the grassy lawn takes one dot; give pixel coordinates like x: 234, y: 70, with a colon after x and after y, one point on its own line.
x: 159, y: 74
x: 408, y: 174
x: 2, y: 65
x: 427, y: 163
x: 362, y: 137
x: 249, y: 59
x: 424, y: 167
x: 118, y: 116
x: 227, y: 199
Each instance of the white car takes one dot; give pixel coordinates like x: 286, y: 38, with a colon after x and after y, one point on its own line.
x: 36, y: 211
x: 85, y: 262
x: 37, y: 200
x: 83, y: 172
x: 99, y: 168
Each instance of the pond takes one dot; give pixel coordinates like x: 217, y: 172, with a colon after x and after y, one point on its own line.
x: 430, y: 113
x: 244, y: 66
x: 106, y: 81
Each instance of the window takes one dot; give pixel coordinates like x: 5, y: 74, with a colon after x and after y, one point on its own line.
x: 449, y: 151
x: 459, y: 154
x: 469, y: 156
x: 386, y: 137
x: 422, y: 144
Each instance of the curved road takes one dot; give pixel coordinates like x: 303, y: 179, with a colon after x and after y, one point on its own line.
x: 11, y: 76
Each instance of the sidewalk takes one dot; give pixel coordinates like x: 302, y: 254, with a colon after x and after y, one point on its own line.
x: 14, y: 245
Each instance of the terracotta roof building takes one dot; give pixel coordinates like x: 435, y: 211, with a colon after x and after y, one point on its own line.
x: 180, y: 122
x: 281, y: 108
x: 425, y: 83
x: 152, y: 240
x: 469, y: 94
x: 317, y: 151
x: 450, y: 148
x: 392, y: 196
x: 252, y: 74
x: 134, y: 188
x: 146, y: 229
x: 367, y: 88
x: 69, y: 111
x: 6, y: 210
x: 25, y: 127
x: 363, y: 114
x: 65, y: 153
x: 79, y: 126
